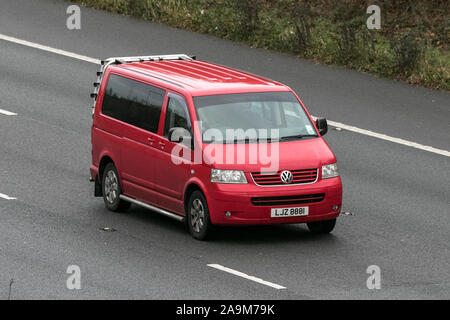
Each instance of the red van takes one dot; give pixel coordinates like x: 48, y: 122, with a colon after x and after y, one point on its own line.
x: 209, y: 145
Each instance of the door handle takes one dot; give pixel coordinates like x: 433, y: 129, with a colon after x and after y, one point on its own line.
x: 161, y: 144
x: 150, y: 141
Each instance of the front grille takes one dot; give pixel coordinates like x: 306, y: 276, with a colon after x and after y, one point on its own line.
x: 288, y: 200
x: 300, y: 177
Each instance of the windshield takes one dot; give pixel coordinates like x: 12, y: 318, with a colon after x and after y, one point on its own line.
x: 259, y: 116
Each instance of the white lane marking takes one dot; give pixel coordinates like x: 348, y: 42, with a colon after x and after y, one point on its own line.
x: 6, y: 197
x: 332, y: 123
x: 7, y: 113
x: 246, y: 276
x: 49, y: 49
x: 387, y: 138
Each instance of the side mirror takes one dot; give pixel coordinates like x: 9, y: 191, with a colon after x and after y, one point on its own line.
x: 322, y: 125
x: 180, y: 135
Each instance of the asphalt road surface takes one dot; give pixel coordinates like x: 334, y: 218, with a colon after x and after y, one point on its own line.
x: 49, y: 219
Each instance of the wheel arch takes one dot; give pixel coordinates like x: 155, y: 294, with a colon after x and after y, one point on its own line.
x: 101, y: 167
x: 189, y: 189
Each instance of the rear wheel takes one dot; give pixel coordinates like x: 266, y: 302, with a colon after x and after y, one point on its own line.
x: 321, y: 227
x: 198, y: 220
x: 112, y: 190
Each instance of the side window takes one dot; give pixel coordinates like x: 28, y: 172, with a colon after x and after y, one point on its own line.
x: 133, y: 102
x: 176, y: 114
x: 116, y: 96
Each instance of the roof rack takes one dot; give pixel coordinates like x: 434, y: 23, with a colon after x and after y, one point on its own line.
x: 121, y: 60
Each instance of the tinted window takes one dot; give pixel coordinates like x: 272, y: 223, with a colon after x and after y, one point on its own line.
x: 176, y: 115
x: 133, y: 102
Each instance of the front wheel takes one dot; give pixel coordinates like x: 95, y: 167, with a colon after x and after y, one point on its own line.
x: 111, y: 190
x: 198, y: 220
x: 321, y: 227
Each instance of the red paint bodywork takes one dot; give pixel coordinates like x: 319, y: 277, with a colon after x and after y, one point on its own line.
x: 143, y: 159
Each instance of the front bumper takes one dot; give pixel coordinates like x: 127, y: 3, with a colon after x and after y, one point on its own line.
x: 236, y: 199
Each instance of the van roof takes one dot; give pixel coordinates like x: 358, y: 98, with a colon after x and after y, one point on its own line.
x: 204, y: 78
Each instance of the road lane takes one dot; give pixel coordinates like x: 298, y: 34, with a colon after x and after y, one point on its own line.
x: 385, y: 106
x: 45, y: 159
x: 330, y: 122
x: 37, y: 250
x: 399, y: 196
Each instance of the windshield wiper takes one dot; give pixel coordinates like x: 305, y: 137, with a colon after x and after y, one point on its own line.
x: 298, y: 136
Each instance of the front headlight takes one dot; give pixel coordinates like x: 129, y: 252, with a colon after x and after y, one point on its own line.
x: 227, y: 176
x: 330, y: 171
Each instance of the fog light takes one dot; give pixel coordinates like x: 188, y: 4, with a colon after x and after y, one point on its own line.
x: 335, y: 208
x: 228, y: 214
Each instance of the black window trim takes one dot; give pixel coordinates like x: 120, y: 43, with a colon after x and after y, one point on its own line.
x: 177, y: 96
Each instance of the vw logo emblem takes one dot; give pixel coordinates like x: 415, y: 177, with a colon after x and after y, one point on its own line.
x: 286, y: 176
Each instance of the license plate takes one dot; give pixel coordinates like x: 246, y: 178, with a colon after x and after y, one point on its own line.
x: 288, y: 212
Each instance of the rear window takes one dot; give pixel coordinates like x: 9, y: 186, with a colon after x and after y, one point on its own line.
x: 133, y: 102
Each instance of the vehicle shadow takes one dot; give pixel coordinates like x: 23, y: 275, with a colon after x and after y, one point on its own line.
x: 268, y: 234
x: 254, y: 234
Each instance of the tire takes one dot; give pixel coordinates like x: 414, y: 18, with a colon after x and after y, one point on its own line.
x: 111, y: 190
x: 321, y: 227
x: 198, y: 220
